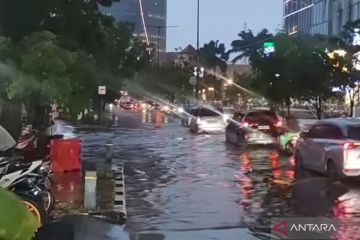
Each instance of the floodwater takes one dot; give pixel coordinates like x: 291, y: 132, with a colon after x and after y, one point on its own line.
x: 182, y: 186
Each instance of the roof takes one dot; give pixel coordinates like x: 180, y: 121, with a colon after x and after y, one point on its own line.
x: 190, y: 50
x: 340, y: 121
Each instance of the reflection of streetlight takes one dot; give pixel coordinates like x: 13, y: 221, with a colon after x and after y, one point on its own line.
x: 230, y: 81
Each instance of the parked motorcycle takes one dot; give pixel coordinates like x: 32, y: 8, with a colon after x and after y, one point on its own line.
x: 34, y: 144
x: 23, y: 177
x: 28, y: 178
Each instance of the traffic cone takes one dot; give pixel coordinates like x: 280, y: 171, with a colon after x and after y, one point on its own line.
x: 158, y: 119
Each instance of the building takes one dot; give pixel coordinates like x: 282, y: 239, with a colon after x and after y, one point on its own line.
x: 326, y: 17
x: 322, y: 17
x: 297, y: 16
x: 148, y: 16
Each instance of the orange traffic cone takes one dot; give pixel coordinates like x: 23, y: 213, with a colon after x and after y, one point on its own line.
x: 158, y: 119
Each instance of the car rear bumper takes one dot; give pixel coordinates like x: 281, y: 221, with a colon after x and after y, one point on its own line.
x: 261, y: 139
x: 212, y: 128
x: 351, y: 172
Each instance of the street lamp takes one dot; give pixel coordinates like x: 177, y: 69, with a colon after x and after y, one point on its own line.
x: 198, y: 45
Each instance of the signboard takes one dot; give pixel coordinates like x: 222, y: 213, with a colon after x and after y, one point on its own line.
x: 192, y: 81
x: 102, y: 90
x: 269, y: 47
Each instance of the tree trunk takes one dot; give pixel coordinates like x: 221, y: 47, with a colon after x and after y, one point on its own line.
x: 319, y: 108
x: 288, y: 105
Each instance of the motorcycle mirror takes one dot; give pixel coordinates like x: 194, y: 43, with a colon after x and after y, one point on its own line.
x: 55, y: 231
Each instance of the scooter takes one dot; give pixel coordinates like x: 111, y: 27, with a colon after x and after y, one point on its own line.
x: 28, y: 178
x: 288, y: 142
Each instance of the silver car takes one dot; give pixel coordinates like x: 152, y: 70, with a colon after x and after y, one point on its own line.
x: 331, y: 146
x: 206, y: 120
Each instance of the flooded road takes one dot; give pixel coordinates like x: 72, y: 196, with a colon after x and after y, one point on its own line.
x: 185, y: 186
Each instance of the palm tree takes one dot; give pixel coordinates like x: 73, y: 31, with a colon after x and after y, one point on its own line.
x: 249, y: 46
x: 213, y: 55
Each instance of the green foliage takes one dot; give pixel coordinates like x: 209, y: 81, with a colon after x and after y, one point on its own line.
x: 212, y: 55
x: 45, y: 69
x: 300, y: 67
x: 249, y: 46
x: 63, y: 50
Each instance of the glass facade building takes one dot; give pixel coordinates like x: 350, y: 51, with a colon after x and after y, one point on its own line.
x: 146, y: 15
x: 326, y: 17
x: 297, y: 16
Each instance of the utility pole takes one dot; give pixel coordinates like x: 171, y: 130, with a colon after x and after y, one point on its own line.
x: 159, y: 28
x: 198, y: 49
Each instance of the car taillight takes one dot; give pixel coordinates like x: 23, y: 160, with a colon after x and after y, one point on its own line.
x: 278, y: 124
x: 246, y: 124
x: 348, y: 146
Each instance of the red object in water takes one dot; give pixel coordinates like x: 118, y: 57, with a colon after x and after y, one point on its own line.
x: 65, y: 155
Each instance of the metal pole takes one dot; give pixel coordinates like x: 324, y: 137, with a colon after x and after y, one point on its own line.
x: 197, y: 48
x: 158, y: 45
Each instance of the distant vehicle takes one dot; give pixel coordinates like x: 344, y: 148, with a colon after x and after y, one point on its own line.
x: 126, y: 103
x: 206, y: 120
x: 306, y: 118
x: 255, y: 127
x: 332, y: 147
x: 227, y: 112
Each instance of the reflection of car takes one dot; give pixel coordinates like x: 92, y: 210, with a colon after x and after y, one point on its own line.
x: 207, y: 120
x: 331, y: 146
x: 256, y: 127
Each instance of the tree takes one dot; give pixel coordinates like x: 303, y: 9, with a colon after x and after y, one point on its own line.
x: 249, y: 46
x: 44, y: 69
x: 212, y: 55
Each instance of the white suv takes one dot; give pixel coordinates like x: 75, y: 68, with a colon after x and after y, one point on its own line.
x: 332, y: 147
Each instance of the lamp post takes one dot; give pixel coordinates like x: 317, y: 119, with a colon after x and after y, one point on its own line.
x: 198, y: 46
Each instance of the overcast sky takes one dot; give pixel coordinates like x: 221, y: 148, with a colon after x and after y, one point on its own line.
x: 219, y: 19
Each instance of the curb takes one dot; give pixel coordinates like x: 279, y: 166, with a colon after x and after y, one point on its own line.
x: 119, y: 189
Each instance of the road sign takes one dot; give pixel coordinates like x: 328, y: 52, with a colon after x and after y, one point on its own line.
x: 269, y: 47
x: 102, y: 90
x: 192, y: 81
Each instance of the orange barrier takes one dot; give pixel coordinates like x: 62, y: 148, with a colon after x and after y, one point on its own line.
x: 65, y: 155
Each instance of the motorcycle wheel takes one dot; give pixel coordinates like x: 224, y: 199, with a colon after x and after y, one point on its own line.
x: 35, y: 208
x: 49, y: 200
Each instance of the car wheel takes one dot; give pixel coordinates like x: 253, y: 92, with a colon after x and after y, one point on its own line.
x: 331, y: 172
x: 299, y: 167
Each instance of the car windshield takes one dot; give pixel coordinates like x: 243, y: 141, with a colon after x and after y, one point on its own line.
x: 354, y: 133
x: 263, y: 116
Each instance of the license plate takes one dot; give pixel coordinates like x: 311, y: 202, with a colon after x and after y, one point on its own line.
x: 212, y: 121
x: 264, y: 127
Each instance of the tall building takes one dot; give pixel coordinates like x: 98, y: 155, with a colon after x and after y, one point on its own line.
x: 297, y: 16
x: 322, y: 17
x: 326, y: 17
x: 148, y: 16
